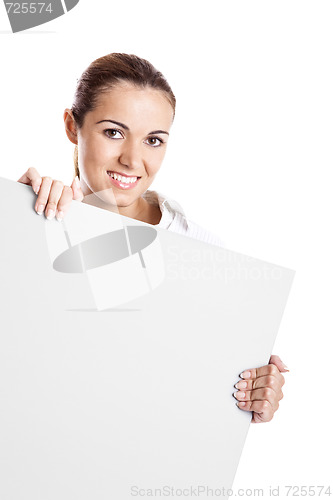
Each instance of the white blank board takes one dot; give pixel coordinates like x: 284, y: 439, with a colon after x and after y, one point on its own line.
x: 96, y: 403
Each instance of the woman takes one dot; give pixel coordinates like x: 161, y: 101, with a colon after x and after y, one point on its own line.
x: 120, y: 123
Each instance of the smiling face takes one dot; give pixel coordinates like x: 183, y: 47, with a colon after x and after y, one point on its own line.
x: 121, y: 145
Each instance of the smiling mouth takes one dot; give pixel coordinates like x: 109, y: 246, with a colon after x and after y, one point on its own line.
x: 125, y: 179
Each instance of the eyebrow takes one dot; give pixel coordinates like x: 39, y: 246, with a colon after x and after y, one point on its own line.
x: 127, y: 128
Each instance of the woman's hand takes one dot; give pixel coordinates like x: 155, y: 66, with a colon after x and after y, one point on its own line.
x: 260, y: 390
x: 54, y: 198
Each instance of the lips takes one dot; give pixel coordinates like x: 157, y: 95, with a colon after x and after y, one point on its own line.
x: 122, y: 181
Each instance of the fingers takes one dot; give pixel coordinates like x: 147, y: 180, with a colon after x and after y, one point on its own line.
x: 64, y: 202
x: 43, y: 195
x: 77, y: 191
x: 263, y: 394
x: 53, y: 199
x: 261, y: 388
x: 265, y: 381
x: 276, y: 360
x: 262, y: 410
x: 269, y: 369
x: 32, y: 178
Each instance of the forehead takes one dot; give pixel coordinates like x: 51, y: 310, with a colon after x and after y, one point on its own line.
x: 134, y: 105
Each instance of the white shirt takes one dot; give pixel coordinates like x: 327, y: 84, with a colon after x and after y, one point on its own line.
x: 174, y: 219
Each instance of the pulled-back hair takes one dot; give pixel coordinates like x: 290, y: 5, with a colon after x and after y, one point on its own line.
x: 105, y: 73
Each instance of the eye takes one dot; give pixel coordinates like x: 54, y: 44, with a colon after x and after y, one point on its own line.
x: 154, y: 141
x: 112, y: 133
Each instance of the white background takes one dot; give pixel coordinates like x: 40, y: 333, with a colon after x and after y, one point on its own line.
x: 249, y: 158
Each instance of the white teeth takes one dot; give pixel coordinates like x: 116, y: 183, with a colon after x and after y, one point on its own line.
x: 121, y: 178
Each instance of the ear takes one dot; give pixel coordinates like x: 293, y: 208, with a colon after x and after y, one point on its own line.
x: 70, y: 126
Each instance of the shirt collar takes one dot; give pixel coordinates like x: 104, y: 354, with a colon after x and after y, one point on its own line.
x: 167, y: 205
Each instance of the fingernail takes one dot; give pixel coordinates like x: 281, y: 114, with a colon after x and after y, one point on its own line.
x: 40, y: 209
x: 241, y: 403
x: 60, y: 216
x: 285, y: 367
x: 241, y: 385
x: 50, y: 214
x: 37, y: 190
x: 246, y: 374
x: 239, y: 395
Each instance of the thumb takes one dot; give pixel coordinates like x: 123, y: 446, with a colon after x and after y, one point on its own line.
x: 77, y: 191
x: 276, y: 360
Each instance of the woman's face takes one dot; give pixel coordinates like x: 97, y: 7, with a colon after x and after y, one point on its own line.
x: 122, y: 143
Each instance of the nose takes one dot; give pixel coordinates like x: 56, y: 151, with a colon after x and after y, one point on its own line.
x: 131, y: 155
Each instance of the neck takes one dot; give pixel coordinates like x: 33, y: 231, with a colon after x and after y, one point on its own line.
x: 139, y: 210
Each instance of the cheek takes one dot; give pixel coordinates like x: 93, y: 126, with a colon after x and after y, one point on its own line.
x: 155, y: 160
x: 95, y: 152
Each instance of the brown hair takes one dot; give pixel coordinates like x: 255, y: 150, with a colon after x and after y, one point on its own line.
x: 105, y: 73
